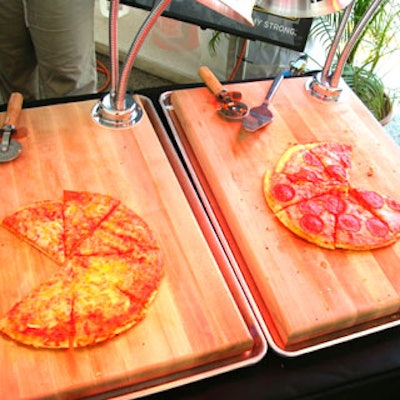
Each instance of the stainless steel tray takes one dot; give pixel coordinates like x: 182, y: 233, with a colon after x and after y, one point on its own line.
x: 239, y: 264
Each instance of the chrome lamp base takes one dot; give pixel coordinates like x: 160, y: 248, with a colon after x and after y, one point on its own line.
x: 323, y: 90
x: 107, y: 115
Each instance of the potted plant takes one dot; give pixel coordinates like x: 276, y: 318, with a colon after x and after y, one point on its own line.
x: 375, y: 42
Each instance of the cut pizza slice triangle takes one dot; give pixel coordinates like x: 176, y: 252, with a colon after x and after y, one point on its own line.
x: 384, y: 207
x: 301, y: 162
x: 83, y: 212
x: 43, y: 317
x: 336, y: 159
x: 359, y: 229
x: 282, y: 190
x: 121, y: 232
x: 41, y: 224
x: 313, y: 220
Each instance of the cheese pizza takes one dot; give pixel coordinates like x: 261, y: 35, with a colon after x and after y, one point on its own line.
x: 109, y: 271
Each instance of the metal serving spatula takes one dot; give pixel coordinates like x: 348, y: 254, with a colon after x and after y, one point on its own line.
x: 261, y: 115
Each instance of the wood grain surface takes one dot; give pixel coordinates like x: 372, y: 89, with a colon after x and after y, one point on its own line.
x: 194, y: 319
x: 305, y: 293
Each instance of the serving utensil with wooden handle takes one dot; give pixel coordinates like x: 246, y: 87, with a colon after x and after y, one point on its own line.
x: 231, y: 108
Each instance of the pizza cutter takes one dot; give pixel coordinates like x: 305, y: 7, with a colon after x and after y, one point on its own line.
x: 231, y: 108
x: 10, y: 149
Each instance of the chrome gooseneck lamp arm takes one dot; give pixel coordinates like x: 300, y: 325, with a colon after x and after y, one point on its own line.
x: 137, y: 43
x: 325, y: 85
x: 114, y: 56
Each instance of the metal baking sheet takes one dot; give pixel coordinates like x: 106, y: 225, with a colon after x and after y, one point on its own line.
x: 239, y: 264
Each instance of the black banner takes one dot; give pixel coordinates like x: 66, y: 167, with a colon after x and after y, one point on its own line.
x: 285, y: 32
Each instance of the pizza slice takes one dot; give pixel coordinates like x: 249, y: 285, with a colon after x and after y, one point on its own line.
x: 384, y: 207
x: 41, y: 224
x: 121, y: 232
x: 314, y: 219
x: 336, y: 159
x: 42, y: 319
x: 83, y: 212
x: 359, y: 229
x: 299, y: 161
x: 101, y: 309
x: 282, y: 190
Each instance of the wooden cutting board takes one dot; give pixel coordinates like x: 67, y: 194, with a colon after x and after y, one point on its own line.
x: 306, y: 294
x: 194, y: 319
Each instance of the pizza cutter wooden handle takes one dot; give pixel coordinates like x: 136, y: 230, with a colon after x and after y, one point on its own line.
x: 14, y: 107
x: 210, y: 80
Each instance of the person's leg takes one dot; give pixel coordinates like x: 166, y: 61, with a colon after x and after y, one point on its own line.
x: 63, y: 36
x: 18, y: 70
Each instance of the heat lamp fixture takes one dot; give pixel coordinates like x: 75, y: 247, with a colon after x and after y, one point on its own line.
x: 119, y: 109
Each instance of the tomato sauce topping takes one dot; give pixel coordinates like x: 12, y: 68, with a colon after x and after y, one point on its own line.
x: 345, y: 159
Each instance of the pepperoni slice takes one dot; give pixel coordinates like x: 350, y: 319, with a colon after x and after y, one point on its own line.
x: 306, y: 175
x: 311, y: 207
x: 343, y: 151
x: 349, y: 222
x: 372, y: 199
x: 312, y: 223
x: 311, y: 159
x: 337, y: 172
x: 394, y: 204
x: 334, y: 204
x: 377, y: 227
x: 283, y: 192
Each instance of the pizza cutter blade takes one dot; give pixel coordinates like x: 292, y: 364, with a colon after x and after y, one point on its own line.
x: 231, y: 108
x: 10, y: 149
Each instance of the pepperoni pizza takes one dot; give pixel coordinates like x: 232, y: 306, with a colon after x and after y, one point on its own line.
x: 310, y: 193
x: 109, y: 270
